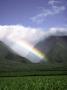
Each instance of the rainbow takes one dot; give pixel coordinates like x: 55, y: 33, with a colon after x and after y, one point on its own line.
x: 24, y: 44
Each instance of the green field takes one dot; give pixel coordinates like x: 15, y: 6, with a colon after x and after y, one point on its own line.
x: 34, y: 83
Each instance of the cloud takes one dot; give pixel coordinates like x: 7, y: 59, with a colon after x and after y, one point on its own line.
x: 52, y: 2
x: 55, y: 31
x: 31, y: 35
x: 10, y: 33
x: 55, y: 9
x: 21, y: 39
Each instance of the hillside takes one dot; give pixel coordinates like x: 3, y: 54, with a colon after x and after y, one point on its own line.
x: 55, y: 48
x: 9, y: 60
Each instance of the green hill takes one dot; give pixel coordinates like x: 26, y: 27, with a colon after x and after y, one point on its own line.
x: 11, y: 61
x: 57, y: 58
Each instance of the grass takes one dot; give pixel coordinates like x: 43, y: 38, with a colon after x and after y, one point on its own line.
x: 34, y: 83
x: 31, y: 73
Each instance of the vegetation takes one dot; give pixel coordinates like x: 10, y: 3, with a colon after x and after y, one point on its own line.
x: 34, y: 83
x: 18, y: 73
x: 58, y: 54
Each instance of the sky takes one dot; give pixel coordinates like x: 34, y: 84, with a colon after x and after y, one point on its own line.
x: 24, y: 23
x: 34, y: 13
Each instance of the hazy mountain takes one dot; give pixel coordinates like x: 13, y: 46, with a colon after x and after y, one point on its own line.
x: 7, y: 54
x: 55, y: 48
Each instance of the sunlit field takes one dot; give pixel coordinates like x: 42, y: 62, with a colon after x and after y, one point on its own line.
x: 34, y: 83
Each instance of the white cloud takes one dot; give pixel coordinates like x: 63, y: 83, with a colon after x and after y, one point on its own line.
x: 55, y: 9
x: 52, y: 2
x: 31, y: 35
x: 58, y: 31
x: 21, y: 39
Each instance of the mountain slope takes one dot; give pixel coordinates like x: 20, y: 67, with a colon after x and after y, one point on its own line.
x: 55, y: 48
x: 10, y: 61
